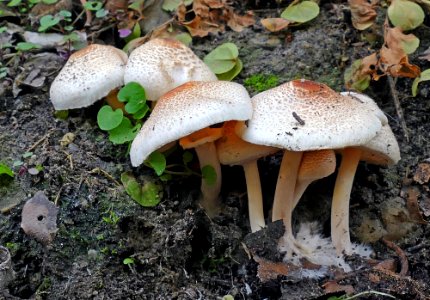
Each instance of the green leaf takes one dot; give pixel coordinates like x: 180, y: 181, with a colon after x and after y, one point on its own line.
x: 101, y: 13
x: 157, y: 161
x: 410, y: 46
x: 187, y: 157
x: 301, y: 12
x: 232, y: 73
x: 6, y: 170
x: 128, y: 261
x: 132, y: 92
x: 184, y: 38
x: 354, y: 78
x: 424, y: 76
x: 137, y: 5
x: 65, y: 13
x: 405, y: 14
x: 13, y: 3
x: 47, y: 22
x: 223, y: 58
x: 107, y: 119
x: 137, y: 31
x: 141, y: 113
x: 25, y: 46
x: 125, y: 132
x: 209, y: 175
x: 148, y: 195
x: 49, y: 1
x: 93, y: 5
x: 172, y: 5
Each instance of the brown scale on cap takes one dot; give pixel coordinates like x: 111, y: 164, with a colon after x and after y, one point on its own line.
x: 39, y: 218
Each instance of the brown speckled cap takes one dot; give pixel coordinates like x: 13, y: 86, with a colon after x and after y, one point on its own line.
x: 161, y: 65
x: 304, y: 115
x: 89, y: 74
x: 190, y: 107
x: 39, y: 218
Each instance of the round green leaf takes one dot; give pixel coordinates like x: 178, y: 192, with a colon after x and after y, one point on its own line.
x: 132, y: 92
x: 410, y: 46
x: 223, y: 58
x: 405, y: 14
x: 424, y: 76
x: 109, y: 119
x: 301, y: 12
x: 157, y: 161
x: 209, y: 175
x: 47, y: 22
x: 123, y: 133
x: 232, y: 73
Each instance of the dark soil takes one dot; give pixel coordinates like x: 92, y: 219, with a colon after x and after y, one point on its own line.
x: 179, y: 252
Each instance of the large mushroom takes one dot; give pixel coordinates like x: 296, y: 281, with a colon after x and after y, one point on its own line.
x: 303, y: 115
x: 160, y: 65
x: 89, y: 75
x: 185, y: 113
x: 232, y: 150
x: 383, y: 149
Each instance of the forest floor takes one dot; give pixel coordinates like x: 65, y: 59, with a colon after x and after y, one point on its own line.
x: 180, y: 253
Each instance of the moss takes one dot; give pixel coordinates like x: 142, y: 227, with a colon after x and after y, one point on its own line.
x: 261, y: 82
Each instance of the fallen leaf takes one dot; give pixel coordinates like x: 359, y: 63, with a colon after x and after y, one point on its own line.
x: 275, y: 24
x: 332, y: 286
x: 270, y: 270
x: 422, y: 174
x: 413, y: 206
x: 363, y: 13
x: 388, y: 265
x: 210, y: 16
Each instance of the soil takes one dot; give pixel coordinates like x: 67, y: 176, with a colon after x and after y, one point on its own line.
x: 178, y: 251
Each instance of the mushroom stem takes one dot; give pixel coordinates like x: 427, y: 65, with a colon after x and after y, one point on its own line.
x: 255, y: 198
x: 340, y: 205
x: 283, y: 202
x: 207, y: 155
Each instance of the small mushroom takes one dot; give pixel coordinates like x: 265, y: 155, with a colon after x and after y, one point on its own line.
x: 89, y: 75
x: 161, y: 65
x: 39, y: 218
x: 232, y: 150
x: 303, y: 115
x: 383, y: 149
x: 190, y: 109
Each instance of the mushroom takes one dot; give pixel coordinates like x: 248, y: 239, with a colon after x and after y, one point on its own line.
x: 89, y: 74
x: 383, y: 149
x: 160, y: 65
x: 303, y: 115
x: 232, y: 150
x: 185, y: 113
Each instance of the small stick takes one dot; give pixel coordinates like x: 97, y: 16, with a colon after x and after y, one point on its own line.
x: 40, y: 140
x: 87, y: 13
x: 402, y: 256
x: 399, y: 109
x: 98, y: 171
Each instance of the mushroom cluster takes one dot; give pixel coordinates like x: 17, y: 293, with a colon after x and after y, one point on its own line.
x: 306, y: 120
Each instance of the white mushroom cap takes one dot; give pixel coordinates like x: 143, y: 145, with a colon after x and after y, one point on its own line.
x: 160, y: 65
x: 186, y: 109
x: 89, y: 74
x: 383, y: 149
x: 304, y: 115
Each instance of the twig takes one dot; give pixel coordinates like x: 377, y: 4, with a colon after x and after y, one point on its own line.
x: 89, y: 17
x: 40, y: 140
x: 402, y: 256
x: 399, y: 109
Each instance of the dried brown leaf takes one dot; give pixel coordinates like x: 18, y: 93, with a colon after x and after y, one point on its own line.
x: 275, y: 24
x: 269, y: 270
x: 363, y: 13
x: 413, y: 206
x: 332, y: 286
x: 422, y: 174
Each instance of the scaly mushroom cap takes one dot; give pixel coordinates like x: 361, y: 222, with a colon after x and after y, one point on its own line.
x: 89, y: 74
x: 232, y: 150
x: 304, y: 115
x: 160, y: 65
x: 186, y: 109
x: 383, y: 149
